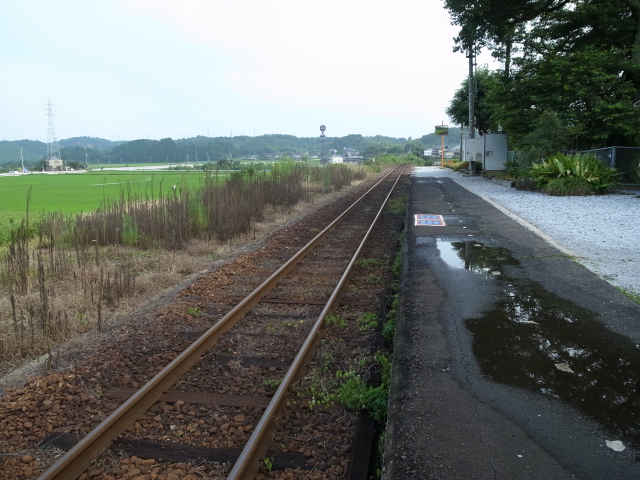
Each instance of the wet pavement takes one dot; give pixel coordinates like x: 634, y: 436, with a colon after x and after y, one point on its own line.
x: 512, y: 361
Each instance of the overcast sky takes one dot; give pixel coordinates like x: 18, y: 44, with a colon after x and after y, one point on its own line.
x: 128, y: 69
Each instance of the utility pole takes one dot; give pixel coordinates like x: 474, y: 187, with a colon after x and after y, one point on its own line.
x: 472, y: 111
x: 322, y: 160
x: 472, y: 92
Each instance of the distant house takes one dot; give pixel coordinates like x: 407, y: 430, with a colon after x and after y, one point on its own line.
x: 55, y: 165
x: 336, y: 159
x: 354, y: 159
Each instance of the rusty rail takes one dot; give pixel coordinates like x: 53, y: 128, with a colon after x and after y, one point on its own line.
x: 248, y: 462
x: 77, y: 459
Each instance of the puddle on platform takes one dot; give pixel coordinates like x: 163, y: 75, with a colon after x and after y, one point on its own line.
x: 475, y: 256
x: 537, y: 340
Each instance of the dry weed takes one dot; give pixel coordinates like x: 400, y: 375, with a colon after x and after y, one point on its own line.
x: 100, y: 287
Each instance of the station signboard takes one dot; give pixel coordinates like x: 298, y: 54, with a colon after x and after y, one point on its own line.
x: 442, y: 129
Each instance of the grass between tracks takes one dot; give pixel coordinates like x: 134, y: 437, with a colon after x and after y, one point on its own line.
x: 358, y: 377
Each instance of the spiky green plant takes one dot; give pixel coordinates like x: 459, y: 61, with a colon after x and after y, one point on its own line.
x: 569, y: 186
x: 569, y: 175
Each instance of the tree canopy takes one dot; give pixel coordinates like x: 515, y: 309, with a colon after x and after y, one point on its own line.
x: 575, y: 63
x: 206, y: 149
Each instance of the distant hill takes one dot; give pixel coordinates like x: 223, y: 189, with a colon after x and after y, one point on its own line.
x: 213, y: 149
x: 89, y: 142
x: 33, y: 150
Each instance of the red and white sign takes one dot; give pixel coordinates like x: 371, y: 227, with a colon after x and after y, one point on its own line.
x: 429, y: 220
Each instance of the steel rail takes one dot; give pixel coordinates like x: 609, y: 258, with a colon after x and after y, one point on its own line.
x: 249, y: 460
x: 73, y: 463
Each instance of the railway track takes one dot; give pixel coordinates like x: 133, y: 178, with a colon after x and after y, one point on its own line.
x: 251, y: 351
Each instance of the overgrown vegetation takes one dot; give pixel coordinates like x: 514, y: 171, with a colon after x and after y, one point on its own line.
x: 515, y: 171
x: 633, y: 296
x: 457, y: 166
x: 356, y: 394
x: 367, y: 263
x: 559, y: 89
x: 63, y: 274
x: 398, y: 205
x: 335, y: 321
x: 562, y: 174
x: 574, y: 175
x: 389, y: 327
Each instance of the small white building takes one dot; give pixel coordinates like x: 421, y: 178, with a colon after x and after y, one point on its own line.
x: 336, y: 159
x: 55, y: 165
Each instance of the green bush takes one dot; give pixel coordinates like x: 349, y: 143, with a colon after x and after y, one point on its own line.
x: 564, y: 186
x: 129, y: 231
x: 526, y: 183
x: 515, y: 170
x: 460, y: 166
x: 574, y: 172
x: 355, y: 394
x: 398, y: 204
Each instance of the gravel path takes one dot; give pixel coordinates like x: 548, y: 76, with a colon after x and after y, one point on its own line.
x: 603, y: 231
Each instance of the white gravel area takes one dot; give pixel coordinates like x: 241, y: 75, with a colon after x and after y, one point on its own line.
x: 602, y: 230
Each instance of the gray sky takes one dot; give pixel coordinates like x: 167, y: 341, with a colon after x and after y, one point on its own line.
x: 128, y: 69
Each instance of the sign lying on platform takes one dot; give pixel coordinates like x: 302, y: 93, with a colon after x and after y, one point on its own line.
x: 430, y: 220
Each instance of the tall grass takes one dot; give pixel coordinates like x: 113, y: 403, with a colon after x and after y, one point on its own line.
x: 60, y: 282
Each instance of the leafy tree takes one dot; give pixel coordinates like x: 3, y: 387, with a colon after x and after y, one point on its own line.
x: 592, y: 100
x: 458, y: 109
x: 74, y: 165
x: 78, y: 154
x: 578, y: 68
x: 208, y: 149
x: 496, y: 23
x: 547, y: 137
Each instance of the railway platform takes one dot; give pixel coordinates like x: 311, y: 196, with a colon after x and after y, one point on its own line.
x: 512, y: 361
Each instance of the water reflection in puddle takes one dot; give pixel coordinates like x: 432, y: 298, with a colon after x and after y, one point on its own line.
x: 537, y: 340
x: 475, y: 256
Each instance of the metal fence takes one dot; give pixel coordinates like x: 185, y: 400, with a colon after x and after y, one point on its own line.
x: 624, y: 159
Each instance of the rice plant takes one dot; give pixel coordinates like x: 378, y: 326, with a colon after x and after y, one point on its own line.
x: 57, y: 281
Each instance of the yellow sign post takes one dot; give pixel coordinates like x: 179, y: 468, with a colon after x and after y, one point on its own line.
x: 442, y: 130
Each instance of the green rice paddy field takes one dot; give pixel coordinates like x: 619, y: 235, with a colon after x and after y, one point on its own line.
x: 82, y: 192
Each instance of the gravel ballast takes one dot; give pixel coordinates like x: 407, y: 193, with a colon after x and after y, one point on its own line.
x: 602, y: 231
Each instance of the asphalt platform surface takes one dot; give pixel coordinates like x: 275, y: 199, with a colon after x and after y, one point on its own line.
x: 512, y: 361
